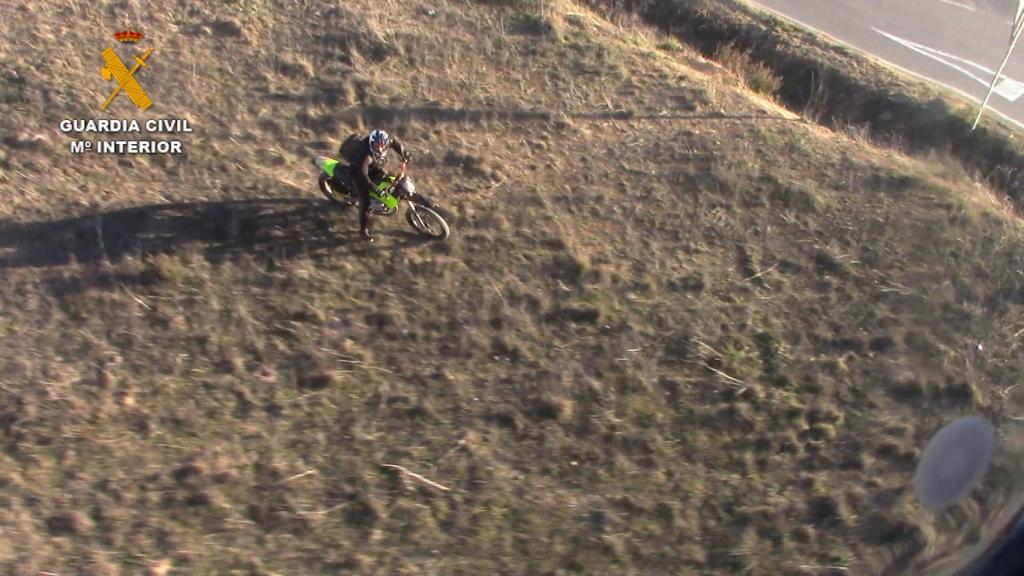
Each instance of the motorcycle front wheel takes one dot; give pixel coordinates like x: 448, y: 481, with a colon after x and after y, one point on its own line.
x: 428, y: 223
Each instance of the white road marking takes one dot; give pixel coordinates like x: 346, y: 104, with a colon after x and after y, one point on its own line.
x: 959, y: 5
x: 1007, y: 87
x: 1010, y: 89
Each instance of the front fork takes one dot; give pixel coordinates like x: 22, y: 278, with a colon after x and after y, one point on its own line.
x: 411, y: 201
x: 414, y: 199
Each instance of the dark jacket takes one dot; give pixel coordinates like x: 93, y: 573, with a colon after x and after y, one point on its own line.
x: 365, y: 170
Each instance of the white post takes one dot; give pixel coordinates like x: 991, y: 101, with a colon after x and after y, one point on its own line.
x: 1018, y: 27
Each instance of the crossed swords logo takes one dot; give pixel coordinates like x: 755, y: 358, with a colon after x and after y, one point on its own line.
x: 125, y: 78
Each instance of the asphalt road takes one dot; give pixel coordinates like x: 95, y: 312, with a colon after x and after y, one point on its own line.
x: 957, y: 43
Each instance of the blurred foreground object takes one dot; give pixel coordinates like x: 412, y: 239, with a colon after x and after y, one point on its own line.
x: 954, y: 462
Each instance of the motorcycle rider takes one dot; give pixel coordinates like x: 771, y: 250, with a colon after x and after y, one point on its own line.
x: 366, y: 166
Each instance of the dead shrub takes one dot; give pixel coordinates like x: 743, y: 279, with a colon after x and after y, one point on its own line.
x: 755, y: 75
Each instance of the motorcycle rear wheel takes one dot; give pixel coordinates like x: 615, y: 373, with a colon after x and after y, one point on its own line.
x: 340, y: 197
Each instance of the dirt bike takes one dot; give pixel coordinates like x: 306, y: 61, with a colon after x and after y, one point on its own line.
x: 422, y: 214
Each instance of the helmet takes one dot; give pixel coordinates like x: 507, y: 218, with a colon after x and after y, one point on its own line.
x: 379, y: 142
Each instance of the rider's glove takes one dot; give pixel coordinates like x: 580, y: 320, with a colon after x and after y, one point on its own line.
x: 408, y: 157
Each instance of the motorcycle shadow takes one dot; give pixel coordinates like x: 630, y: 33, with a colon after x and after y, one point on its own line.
x: 276, y: 228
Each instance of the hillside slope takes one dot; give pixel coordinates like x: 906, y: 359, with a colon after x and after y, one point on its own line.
x: 676, y: 330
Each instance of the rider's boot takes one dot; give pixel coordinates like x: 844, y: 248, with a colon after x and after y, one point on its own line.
x: 364, y: 219
x: 364, y: 228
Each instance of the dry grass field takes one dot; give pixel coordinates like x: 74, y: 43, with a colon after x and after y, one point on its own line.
x: 677, y: 329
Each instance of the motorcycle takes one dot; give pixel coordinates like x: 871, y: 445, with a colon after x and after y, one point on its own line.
x: 422, y: 213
